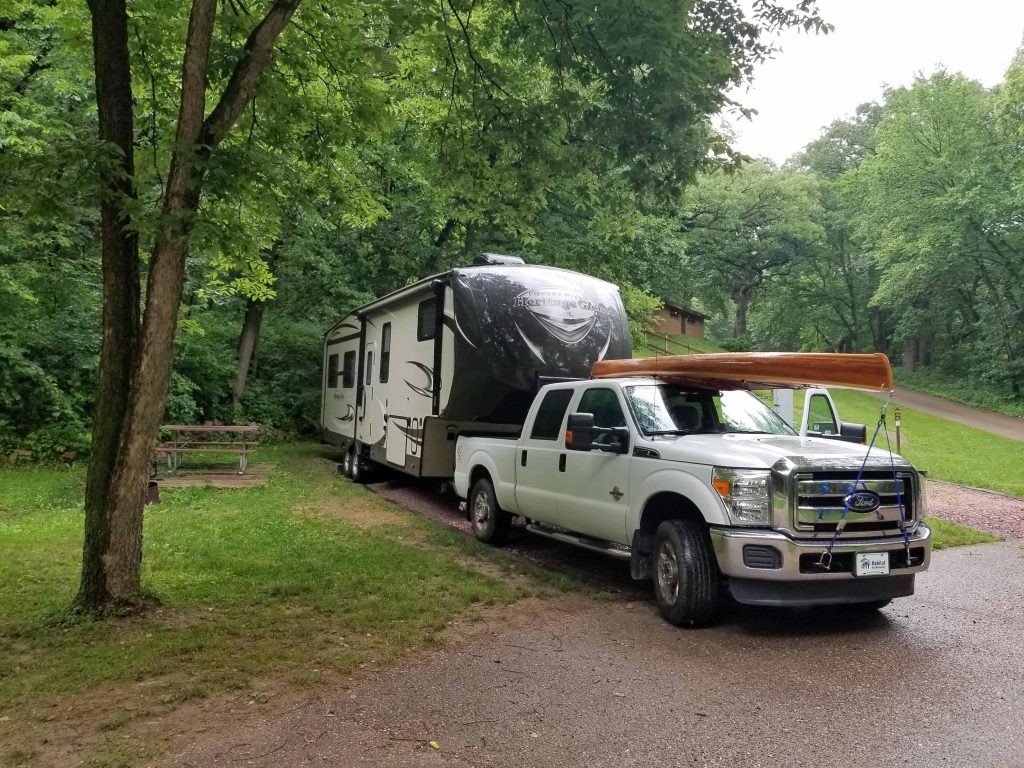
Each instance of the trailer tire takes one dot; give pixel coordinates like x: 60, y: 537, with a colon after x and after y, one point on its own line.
x: 359, y: 471
x: 490, y: 522
x: 685, y: 573
x: 346, y: 464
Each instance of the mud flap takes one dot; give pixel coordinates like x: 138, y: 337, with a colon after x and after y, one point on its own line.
x: 640, y: 567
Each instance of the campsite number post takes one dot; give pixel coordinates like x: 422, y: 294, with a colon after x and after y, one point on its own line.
x: 898, y: 431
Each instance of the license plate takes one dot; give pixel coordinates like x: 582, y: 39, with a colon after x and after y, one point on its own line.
x: 871, y: 564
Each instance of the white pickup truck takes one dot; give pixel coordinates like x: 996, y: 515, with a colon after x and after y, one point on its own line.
x: 705, y: 491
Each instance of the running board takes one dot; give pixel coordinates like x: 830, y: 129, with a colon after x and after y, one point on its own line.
x: 594, y: 545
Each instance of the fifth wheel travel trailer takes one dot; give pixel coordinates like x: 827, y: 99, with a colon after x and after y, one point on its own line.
x: 462, y: 352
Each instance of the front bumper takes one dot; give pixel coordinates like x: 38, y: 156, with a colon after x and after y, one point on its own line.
x: 791, y: 583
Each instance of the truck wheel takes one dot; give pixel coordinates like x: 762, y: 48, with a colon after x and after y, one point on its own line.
x: 685, y: 573
x: 490, y: 522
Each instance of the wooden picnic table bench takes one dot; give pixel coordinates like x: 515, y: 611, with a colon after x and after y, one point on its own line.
x: 237, y: 439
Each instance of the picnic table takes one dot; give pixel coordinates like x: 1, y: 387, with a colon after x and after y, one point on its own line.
x: 180, y: 439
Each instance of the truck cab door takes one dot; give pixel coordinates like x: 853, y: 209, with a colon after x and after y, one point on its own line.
x: 820, y: 416
x: 540, y: 454
x: 594, y: 487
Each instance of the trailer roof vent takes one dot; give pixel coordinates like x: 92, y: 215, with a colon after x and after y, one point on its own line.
x: 492, y: 259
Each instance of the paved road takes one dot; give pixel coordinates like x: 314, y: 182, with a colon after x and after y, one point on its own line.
x: 936, y: 679
x: 990, y: 421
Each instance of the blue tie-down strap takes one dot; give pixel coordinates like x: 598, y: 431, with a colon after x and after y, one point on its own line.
x: 825, y: 561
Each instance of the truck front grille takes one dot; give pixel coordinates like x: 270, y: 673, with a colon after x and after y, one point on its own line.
x: 819, y: 500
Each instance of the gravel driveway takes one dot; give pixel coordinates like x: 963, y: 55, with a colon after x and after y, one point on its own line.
x: 936, y: 679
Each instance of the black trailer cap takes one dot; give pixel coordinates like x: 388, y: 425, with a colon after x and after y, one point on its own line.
x: 492, y: 259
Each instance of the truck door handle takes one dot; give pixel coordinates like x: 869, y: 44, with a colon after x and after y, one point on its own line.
x: 561, y: 463
x: 522, y: 459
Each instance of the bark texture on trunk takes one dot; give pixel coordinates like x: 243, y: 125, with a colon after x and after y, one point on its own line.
x: 742, y: 304
x: 120, y: 263
x: 137, y: 362
x: 246, y: 347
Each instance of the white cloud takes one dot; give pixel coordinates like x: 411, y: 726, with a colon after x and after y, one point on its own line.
x: 818, y: 78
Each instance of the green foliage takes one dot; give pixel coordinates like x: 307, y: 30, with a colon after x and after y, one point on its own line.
x: 386, y: 142
x: 748, y: 229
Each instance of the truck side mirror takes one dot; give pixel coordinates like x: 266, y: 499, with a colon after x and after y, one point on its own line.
x: 853, y: 433
x: 579, y: 433
x: 620, y: 441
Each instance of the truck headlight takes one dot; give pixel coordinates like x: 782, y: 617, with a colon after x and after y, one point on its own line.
x: 746, y: 493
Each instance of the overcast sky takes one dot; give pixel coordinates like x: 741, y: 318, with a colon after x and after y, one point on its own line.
x: 815, y: 79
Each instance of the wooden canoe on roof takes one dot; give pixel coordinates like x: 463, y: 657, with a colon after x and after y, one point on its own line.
x: 758, y: 370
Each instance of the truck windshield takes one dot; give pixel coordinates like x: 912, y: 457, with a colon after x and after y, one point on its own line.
x: 670, y: 409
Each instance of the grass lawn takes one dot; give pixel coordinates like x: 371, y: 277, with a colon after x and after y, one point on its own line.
x: 287, y: 581
x: 946, y: 534
x: 948, y: 451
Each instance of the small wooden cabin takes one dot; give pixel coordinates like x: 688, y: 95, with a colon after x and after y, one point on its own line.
x: 676, y: 319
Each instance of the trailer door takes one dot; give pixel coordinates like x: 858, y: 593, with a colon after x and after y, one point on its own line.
x: 369, y: 426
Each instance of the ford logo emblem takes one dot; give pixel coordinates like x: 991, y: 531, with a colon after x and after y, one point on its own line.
x: 863, y: 501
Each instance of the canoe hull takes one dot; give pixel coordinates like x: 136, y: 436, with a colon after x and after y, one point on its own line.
x: 759, y: 370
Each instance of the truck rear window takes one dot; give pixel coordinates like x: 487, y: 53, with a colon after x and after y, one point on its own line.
x: 548, y: 423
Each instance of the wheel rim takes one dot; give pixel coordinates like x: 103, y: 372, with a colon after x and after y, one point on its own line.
x: 481, y: 510
x: 668, y: 573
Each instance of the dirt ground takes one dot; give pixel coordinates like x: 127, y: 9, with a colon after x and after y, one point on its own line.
x: 936, y: 679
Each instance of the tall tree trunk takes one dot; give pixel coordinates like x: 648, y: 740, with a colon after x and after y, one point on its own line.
x: 246, y: 347
x: 118, y: 519
x: 120, y: 263
x: 742, y: 305
x: 250, y: 335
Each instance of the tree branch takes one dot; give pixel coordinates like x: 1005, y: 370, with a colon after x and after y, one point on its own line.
x: 256, y: 57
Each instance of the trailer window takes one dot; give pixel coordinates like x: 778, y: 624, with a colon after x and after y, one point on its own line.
x: 548, y: 423
x: 369, y: 368
x: 426, y: 320
x: 332, y: 371
x: 385, y: 352
x: 348, y: 370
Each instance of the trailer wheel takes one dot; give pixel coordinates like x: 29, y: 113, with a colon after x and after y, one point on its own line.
x: 360, y: 473
x: 346, y: 464
x: 489, y: 521
x: 685, y: 573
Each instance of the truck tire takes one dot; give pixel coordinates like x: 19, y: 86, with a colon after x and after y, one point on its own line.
x: 489, y: 521
x: 685, y: 573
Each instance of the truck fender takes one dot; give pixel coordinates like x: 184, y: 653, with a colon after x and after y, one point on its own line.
x: 680, y: 483
x: 504, y: 490
x: 668, y: 494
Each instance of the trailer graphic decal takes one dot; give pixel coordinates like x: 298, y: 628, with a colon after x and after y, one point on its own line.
x: 428, y: 389
x: 566, y: 315
x: 412, y: 429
